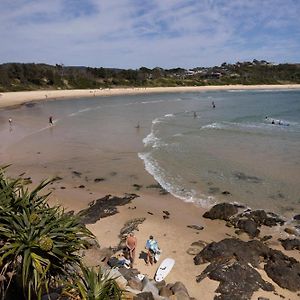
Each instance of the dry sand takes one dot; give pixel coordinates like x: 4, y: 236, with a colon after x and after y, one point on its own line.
x: 173, y: 235
x: 17, y: 98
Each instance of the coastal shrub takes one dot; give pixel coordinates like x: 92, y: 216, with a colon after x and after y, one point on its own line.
x: 94, y: 284
x: 38, y: 243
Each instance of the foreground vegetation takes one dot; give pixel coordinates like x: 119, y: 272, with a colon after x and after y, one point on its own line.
x: 17, y: 76
x: 39, y: 248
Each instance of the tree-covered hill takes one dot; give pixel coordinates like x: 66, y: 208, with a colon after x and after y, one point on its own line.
x: 30, y: 76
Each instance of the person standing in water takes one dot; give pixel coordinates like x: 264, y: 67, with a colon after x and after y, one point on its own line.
x: 51, y: 120
x: 10, y: 121
x: 213, y: 104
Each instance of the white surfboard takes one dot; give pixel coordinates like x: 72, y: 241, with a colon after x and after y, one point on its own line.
x: 164, y: 269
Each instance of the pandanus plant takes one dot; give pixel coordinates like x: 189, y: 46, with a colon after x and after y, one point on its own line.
x: 38, y: 243
x: 93, y: 284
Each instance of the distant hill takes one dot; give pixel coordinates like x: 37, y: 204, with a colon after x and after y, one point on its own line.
x: 30, y: 76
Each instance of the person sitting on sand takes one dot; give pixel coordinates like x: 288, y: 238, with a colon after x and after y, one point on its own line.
x: 152, y: 247
x: 131, y: 243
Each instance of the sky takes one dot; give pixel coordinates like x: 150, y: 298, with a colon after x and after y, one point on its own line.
x: 150, y: 33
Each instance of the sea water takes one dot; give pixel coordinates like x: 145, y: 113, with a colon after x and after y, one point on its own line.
x: 198, y: 153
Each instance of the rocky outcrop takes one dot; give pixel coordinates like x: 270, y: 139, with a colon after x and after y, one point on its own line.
x: 104, y: 207
x: 233, y: 259
x: 238, y: 281
x: 248, y: 221
x: 290, y: 244
x: 222, y: 211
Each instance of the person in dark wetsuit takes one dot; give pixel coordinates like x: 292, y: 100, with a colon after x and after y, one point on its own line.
x: 51, y: 120
x: 213, y: 104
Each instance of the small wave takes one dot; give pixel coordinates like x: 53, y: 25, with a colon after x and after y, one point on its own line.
x: 213, y: 126
x: 169, y: 115
x: 153, y: 168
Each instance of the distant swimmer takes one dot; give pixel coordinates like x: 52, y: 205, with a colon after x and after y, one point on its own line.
x: 51, y: 120
x: 213, y: 104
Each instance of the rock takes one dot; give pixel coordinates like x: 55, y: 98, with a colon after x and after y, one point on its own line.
x: 197, y: 227
x: 182, y: 295
x: 290, y: 230
x: 81, y: 186
x: 248, y: 226
x: 135, y: 283
x: 99, y: 179
x: 129, y: 273
x: 267, y: 219
x: 137, y: 186
x: 280, y: 268
x: 238, y: 281
x: 165, y: 292
x: 179, y: 286
x: 290, y: 244
x: 144, y: 296
x: 265, y: 238
x: 193, y: 251
x: 297, y: 217
x: 284, y: 271
x: 117, y: 276
x: 166, y: 217
x: 103, y: 207
x: 148, y: 286
x: 262, y: 298
x: 222, y: 211
x: 129, y: 226
x: 78, y: 174
x: 226, y: 193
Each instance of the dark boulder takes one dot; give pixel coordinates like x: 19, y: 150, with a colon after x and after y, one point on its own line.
x: 280, y: 268
x: 297, y: 217
x: 285, y: 271
x: 144, y: 296
x: 290, y: 244
x: 222, y: 211
x: 238, y: 281
x: 103, y: 207
x: 248, y: 226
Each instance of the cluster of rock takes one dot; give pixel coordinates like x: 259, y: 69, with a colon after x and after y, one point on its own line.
x: 104, y: 207
x: 135, y: 285
x: 234, y: 262
x: 149, y: 289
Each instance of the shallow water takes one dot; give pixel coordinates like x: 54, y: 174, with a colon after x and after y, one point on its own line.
x: 230, y: 148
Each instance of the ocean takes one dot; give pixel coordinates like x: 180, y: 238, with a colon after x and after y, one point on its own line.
x: 196, y: 152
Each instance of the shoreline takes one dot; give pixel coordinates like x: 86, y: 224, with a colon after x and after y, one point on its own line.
x: 10, y: 99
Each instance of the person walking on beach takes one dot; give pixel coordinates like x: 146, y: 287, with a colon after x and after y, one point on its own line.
x: 131, y: 243
x: 51, y: 120
x: 152, y: 247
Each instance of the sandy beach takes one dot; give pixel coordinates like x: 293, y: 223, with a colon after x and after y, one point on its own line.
x: 17, y: 98
x: 173, y: 234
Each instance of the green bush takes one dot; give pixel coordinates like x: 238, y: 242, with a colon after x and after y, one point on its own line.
x: 38, y: 242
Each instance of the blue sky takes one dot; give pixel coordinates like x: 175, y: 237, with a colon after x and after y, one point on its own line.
x: 150, y: 33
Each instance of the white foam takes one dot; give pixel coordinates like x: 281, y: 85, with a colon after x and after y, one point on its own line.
x: 153, y: 168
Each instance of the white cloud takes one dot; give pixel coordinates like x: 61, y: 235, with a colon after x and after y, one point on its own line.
x: 134, y: 33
